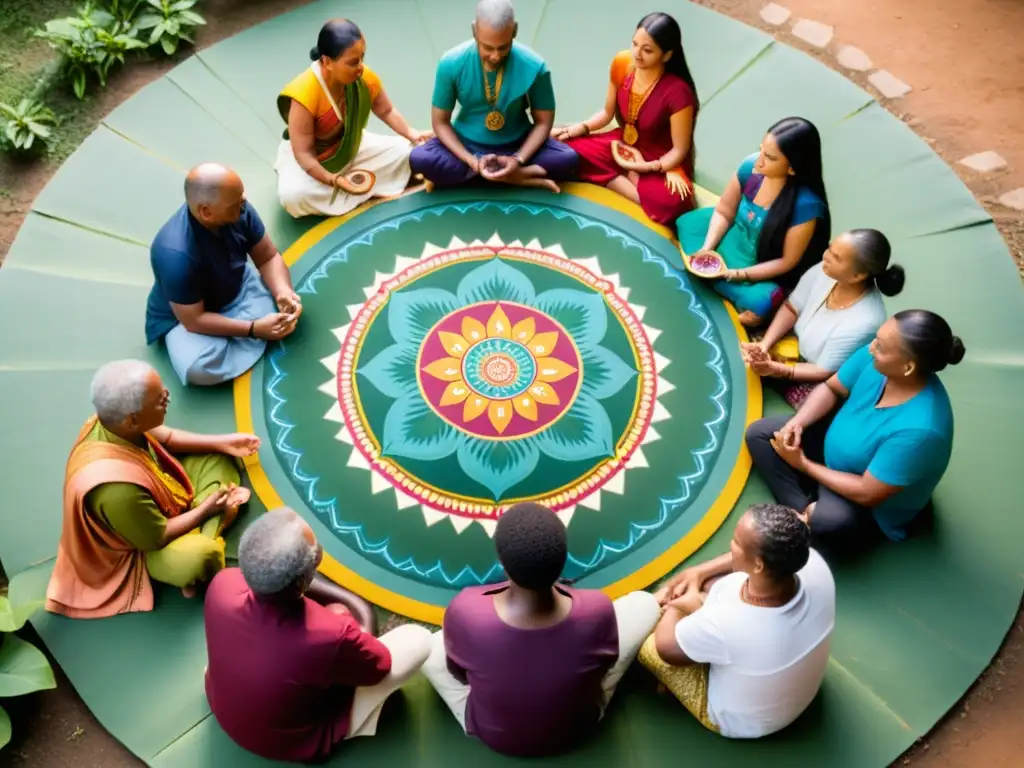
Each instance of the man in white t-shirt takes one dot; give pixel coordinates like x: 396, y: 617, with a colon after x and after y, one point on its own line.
x: 748, y: 656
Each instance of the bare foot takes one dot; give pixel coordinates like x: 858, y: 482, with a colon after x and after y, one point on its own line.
x: 190, y: 591
x: 428, y: 185
x: 748, y: 319
x: 547, y: 184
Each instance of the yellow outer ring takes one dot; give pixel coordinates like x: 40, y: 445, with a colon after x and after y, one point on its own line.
x: 639, y: 579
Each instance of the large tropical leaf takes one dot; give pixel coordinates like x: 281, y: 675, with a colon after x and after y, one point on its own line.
x: 5, y: 728
x: 14, y: 614
x: 23, y: 668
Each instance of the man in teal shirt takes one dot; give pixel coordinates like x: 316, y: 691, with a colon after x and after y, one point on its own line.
x: 495, y: 81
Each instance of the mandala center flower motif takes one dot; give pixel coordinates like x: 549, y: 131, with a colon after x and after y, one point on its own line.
x: 522, y: 371
x: 499, y: 368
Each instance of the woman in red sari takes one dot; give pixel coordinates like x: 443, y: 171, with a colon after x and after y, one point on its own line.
x: 654, y: 100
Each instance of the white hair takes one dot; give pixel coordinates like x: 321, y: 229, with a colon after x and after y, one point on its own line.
x: 119, y: 389
x: 496, y: 14
x: 274, y: 552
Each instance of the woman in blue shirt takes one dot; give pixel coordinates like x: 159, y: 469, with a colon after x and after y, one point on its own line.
x: 771, y: 224
x: 872, y: 466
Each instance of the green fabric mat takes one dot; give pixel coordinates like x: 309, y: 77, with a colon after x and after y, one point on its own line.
x: 916, y: 623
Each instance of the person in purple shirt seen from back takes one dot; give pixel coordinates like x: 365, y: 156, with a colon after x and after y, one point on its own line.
x: 528, y: 666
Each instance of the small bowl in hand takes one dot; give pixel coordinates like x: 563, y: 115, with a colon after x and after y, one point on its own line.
x: 706, y: 264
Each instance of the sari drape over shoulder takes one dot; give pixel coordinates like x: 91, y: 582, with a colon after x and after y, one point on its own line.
x: 98, y: 573
x: 336, y: 143
x: 341, y: 143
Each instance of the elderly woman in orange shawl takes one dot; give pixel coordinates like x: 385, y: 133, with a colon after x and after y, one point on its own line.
x: 328, y: 163
x: 133, y: 511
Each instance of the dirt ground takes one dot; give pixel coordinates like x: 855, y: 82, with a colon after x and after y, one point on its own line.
x: 965, y: 64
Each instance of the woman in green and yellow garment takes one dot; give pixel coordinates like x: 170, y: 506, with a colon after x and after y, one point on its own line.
x: 328, y: 163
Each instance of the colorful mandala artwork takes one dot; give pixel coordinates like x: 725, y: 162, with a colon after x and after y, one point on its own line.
x: 466, y: 373
x: 488, y: 374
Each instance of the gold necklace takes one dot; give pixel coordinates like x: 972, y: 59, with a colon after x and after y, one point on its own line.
x: 636, y: 101
x: 841, y: 307
x: 494, y: 121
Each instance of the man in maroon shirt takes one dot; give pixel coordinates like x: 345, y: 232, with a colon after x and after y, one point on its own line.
x: 529, y: 666
x: 294, y: 668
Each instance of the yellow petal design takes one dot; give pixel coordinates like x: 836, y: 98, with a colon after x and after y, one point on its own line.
x: 544, y: 393
x: 498, y: 324
x: 445, y: 369
x: 453, y: 344
x: 500, y: 414
x: 543, y: 344
x: 474, y: 406
x: 473, y: 330
x: 524, y: 330
x: 455, y: 393
x: 552, y: 369
x: 525, y: 407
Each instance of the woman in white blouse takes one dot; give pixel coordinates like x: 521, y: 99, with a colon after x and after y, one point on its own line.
x: 835, y: 309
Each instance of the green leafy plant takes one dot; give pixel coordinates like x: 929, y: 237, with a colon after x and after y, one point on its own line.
x: 170, y: 22
x: 91, y: 43
x: 27, y: 125
x: 23, y: 667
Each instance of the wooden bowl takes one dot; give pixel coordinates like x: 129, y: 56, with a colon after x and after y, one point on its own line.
x: 705, y: 264
x: 359, y: 181
x: 625, y: 151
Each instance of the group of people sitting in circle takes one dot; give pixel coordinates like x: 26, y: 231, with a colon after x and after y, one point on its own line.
x: 527, y: 666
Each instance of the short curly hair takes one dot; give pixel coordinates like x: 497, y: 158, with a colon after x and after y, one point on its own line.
x: 783, y: 538
x: 532, y: 546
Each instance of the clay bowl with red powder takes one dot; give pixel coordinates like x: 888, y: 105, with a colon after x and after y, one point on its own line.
x: 705, y: 264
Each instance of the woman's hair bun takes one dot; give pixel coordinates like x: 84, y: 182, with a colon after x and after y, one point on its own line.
x: 314, y: 54
x: 891, y: 281
x: 956, y: 351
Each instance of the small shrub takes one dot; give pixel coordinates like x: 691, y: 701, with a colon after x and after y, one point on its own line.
x: 27, y: 125
x: 170, y: 22
x: 90, y: 44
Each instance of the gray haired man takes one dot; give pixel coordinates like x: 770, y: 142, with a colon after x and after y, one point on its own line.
x: 142, y: 501
x: 294, y: 667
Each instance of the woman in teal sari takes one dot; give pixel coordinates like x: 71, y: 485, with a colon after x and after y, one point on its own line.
x: 771, y: 224
x: 328, y: 163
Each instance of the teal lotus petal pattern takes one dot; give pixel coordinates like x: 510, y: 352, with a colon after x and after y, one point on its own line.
x: 584, y: 315
x: 585, y: 432
x: 413, y: 431
x: 392, y: 371
x: 496, y: 281
x: 498, y: 466
x: 412, y: 313
x: 604, y: 373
